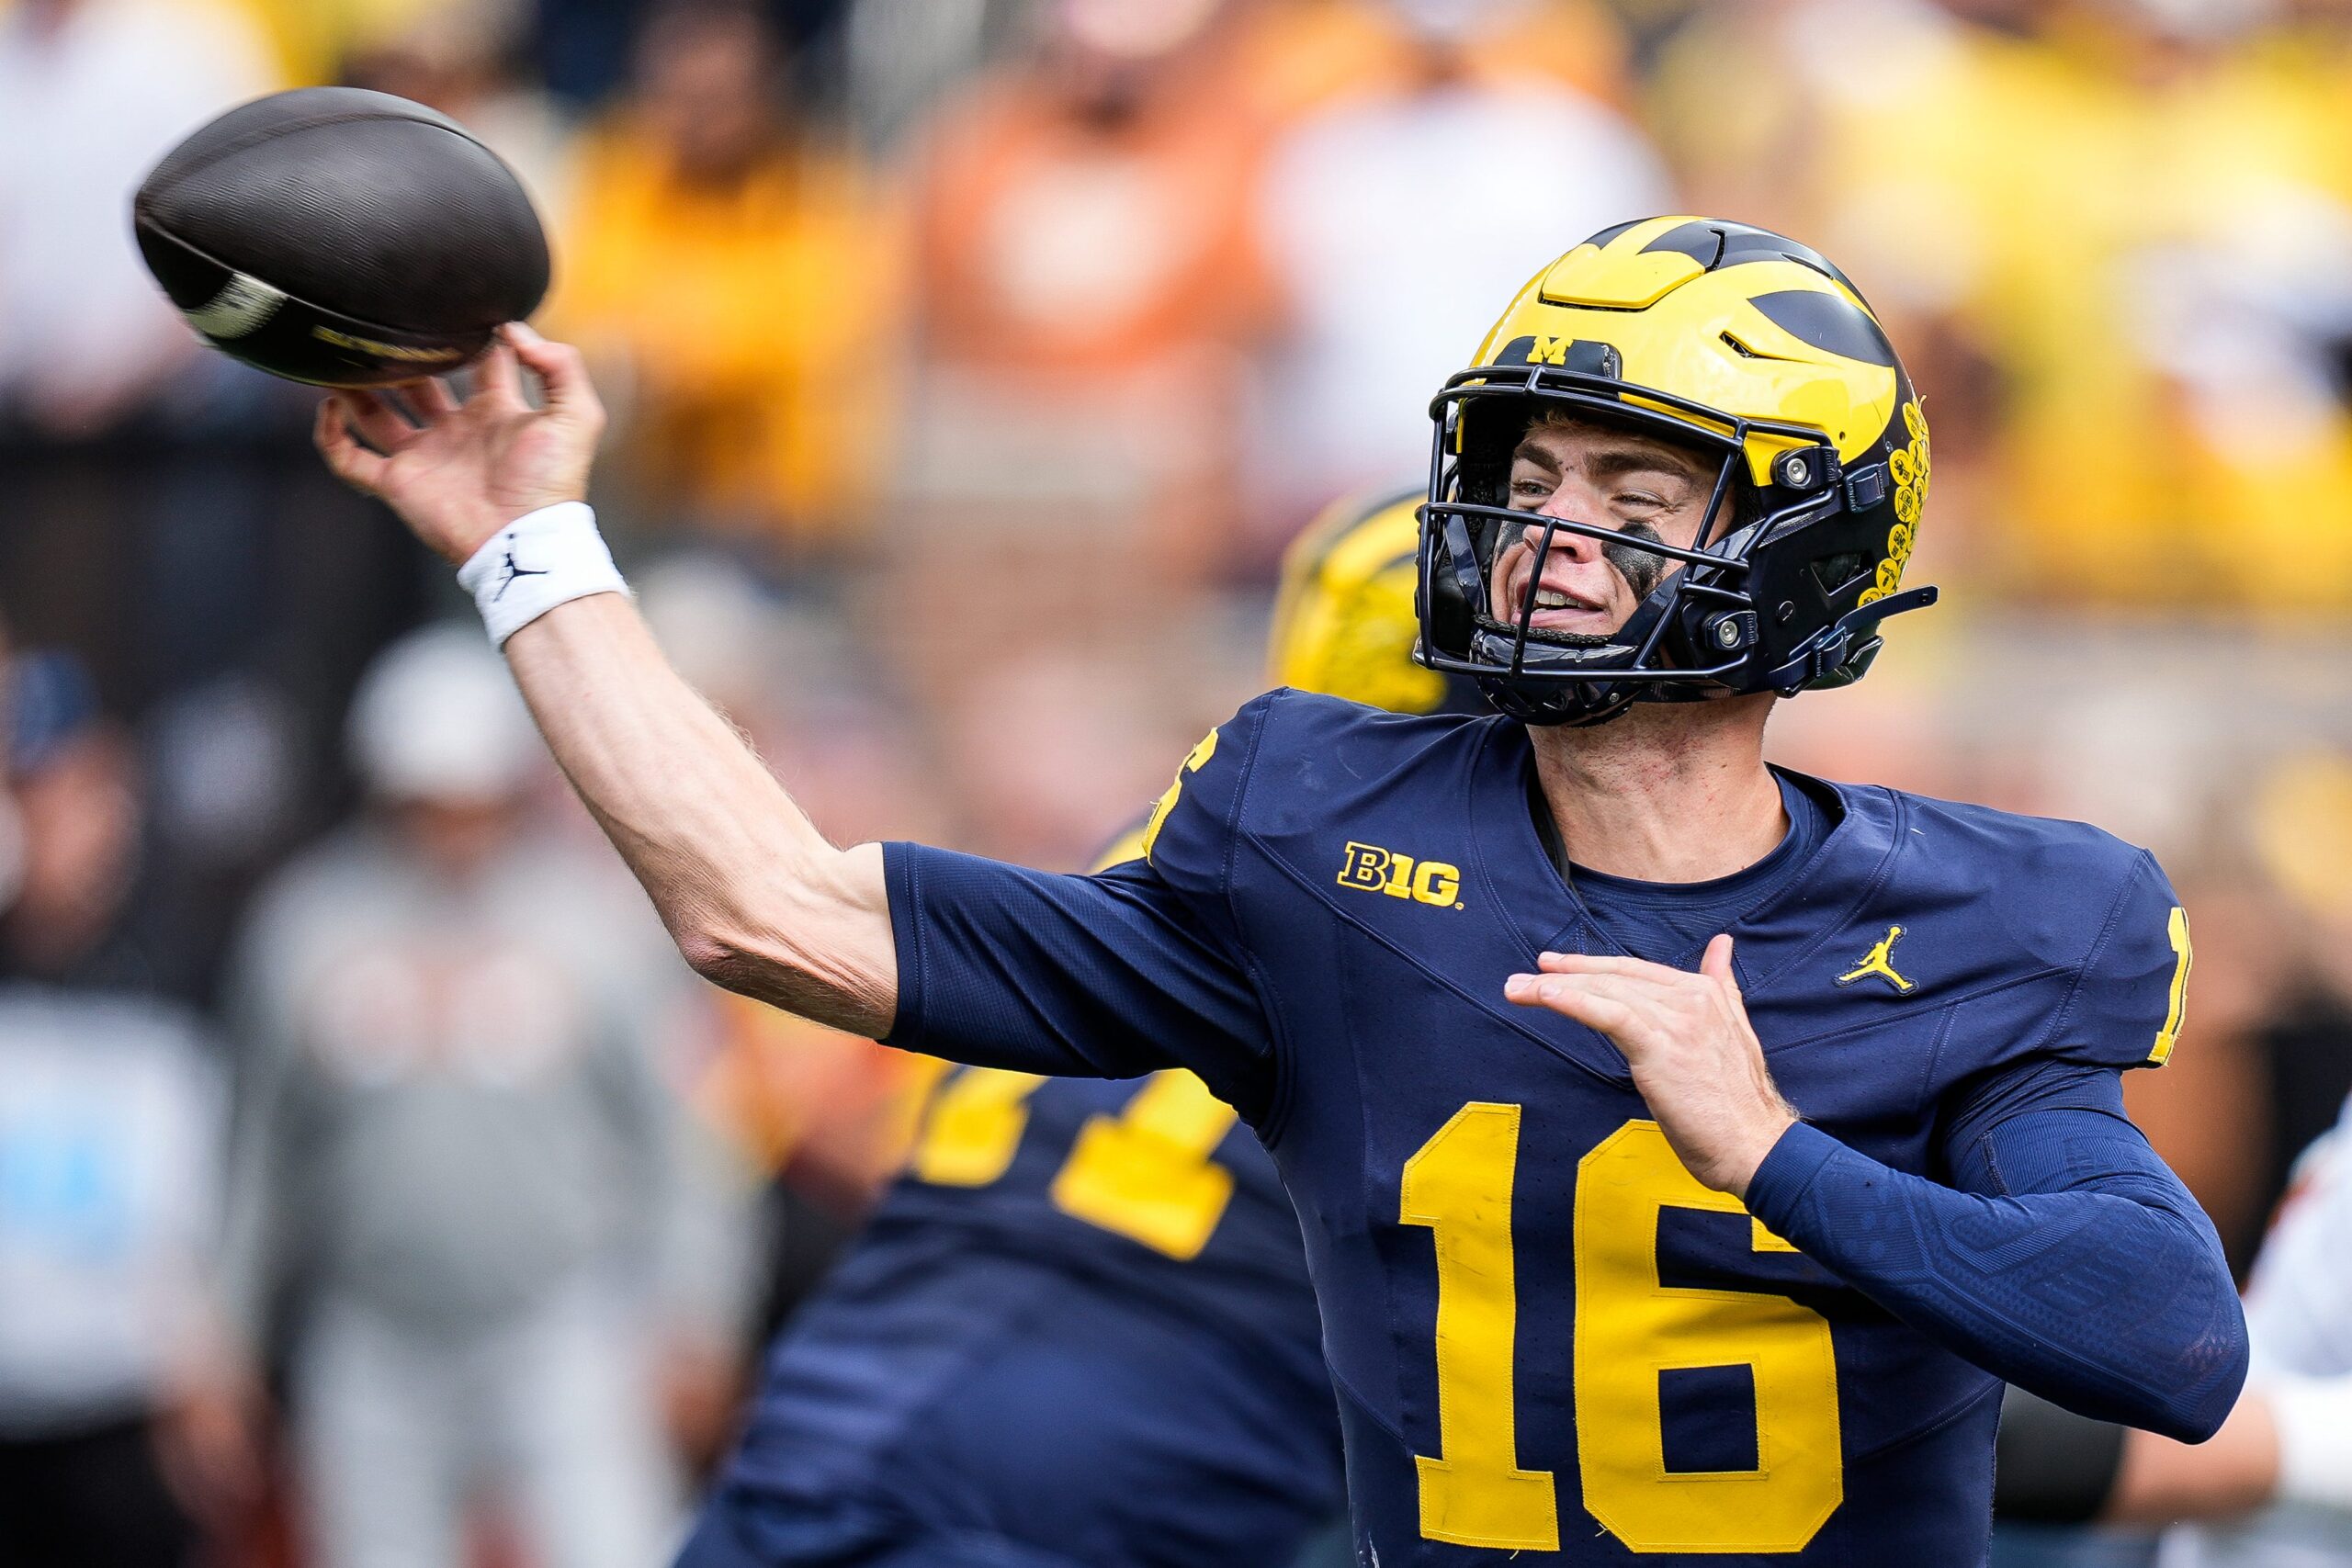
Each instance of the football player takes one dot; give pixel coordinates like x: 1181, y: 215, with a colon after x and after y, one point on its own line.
x: 1078, y: 1332
x: 1685, y: 1151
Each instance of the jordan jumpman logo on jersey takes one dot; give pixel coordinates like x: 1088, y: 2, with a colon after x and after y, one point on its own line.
x: 1879, y: 962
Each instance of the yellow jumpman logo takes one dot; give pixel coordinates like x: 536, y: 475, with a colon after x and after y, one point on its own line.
x: 1877, y: 961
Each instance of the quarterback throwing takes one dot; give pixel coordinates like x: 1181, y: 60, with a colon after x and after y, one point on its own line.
x: 1686, y: 1150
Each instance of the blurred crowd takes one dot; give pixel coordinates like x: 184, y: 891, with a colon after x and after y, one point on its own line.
x: 972, y: 361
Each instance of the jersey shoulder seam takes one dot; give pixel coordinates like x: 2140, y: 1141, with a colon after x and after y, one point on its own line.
x: 1267, y: 1126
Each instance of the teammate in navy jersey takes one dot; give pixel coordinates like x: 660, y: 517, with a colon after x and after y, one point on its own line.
x: 1078, y: 1332
x: 1631, y: 1242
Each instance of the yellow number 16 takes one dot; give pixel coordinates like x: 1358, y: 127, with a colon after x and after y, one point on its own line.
x: 1630, y: 1328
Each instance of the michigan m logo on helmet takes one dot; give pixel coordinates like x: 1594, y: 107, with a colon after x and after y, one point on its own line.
x: 1731, y: 341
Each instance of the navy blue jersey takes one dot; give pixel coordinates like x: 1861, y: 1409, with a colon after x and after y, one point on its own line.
x: 1547, y: 1337
x: 1079, y: 1323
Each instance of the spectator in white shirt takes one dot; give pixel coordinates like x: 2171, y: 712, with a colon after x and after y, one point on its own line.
x: 92, y: 93
x: 454, y: 1137
x: 109, y: 1141
x: 1390, y: 220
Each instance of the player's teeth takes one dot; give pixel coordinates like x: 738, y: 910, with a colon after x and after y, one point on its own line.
x: 1547, y: 600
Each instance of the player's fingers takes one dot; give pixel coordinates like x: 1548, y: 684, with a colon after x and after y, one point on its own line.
x: 1624, y: 989
x: 378, y: 420
x: 403, y: 407
x: 1634, y: 990
x: 1715, y: 964
x: 496, y: 380
x: 1607, y: 1014
x: 560, y: 368
x: 346, y: 459
x: 1610, y: 964
x: 1654, y: 983
x: 432, y: 399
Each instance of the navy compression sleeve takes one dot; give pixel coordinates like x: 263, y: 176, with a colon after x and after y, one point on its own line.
x: 2065, y: 1259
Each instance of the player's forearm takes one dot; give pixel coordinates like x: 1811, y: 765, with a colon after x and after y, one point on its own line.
x: 756, y: 899
x: 2107, y: 1298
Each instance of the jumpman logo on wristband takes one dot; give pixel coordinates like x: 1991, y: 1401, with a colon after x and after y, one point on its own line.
x: 512, y: 572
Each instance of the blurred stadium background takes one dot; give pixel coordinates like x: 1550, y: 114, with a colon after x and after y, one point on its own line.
x: 972, y: 362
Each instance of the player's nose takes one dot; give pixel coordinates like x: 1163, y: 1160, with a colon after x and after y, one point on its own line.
x: 1567, y: 543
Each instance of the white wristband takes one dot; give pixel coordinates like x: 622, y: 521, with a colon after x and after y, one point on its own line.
x: 541, y: 560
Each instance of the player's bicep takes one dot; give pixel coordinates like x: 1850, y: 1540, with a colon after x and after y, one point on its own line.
x: 1110, y: 976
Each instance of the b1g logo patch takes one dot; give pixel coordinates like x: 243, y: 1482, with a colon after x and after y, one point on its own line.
x: 1375, y: 870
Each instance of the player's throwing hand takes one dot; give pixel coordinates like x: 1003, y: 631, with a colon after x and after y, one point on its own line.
x: 462, y: 471
x: 1696, y: 1062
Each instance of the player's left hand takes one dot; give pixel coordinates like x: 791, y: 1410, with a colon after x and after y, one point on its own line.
x: 1695, y: 1060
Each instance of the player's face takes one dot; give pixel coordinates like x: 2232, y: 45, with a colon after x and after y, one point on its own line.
x: 1631, y: 484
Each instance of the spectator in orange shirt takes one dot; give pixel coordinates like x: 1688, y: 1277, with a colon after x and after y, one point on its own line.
x: 1306, y: 53
x: 1089, y: 283
x: 737, y: 277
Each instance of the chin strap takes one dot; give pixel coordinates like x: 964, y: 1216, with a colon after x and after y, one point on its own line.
x: 1831, y: 646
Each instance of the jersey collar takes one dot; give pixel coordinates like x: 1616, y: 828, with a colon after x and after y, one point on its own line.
x: 1545, y: 914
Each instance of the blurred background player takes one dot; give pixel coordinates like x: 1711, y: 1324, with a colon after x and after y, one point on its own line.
x: 2298, y: 1308
x: 455, y: 1151
x: 111, y: 1127
x: 1344, y: 611
x: 2273, y: 1488
x: 1078, y: 1329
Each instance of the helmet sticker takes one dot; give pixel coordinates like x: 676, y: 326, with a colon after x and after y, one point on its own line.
x: 1909, y: 467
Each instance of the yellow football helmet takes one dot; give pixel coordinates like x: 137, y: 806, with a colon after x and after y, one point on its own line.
x: 1729, y: 339
x: 1344, y: 623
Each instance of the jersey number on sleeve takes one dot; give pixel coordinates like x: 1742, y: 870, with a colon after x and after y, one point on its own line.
x: 1629, y: 1328
x: 2177, y: 1003
x: 1147, y: 1174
